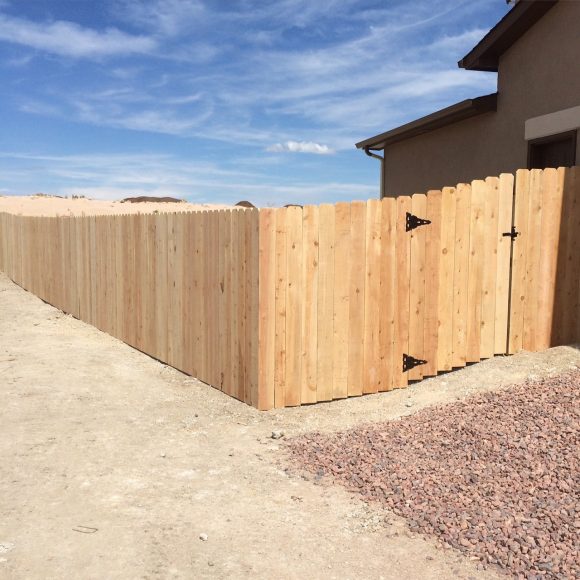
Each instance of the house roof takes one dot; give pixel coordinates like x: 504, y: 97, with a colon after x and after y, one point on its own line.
x: 458, y: 112
x: 485, y: 55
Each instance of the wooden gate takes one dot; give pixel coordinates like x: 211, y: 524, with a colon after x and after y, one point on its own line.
x: 459, y: 278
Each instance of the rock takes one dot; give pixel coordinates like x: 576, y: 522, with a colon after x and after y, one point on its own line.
x: 277, y: 434
x: 6, y: 547
x: 203, y: 537
x: 490, y: 475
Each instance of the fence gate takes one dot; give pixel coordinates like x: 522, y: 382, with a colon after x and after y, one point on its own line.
x: 459, y: 241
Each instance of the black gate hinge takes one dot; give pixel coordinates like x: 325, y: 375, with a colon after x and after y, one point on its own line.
x: 513, y: 234
x: 410, y: 362
x: 413, y: 222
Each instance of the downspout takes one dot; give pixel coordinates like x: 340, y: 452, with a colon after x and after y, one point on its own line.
x: 382, y: 160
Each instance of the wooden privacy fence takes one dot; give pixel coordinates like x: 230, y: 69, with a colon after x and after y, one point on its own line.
x: 180, y: 287
x: 282, y: 307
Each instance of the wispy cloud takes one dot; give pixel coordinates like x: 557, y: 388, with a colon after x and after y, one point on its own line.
x: 72, y: 40
x: 39, y: 108
x: 154, y: 119
x: 167, y: 17
x: 19, y: 61
x: 300, y: 147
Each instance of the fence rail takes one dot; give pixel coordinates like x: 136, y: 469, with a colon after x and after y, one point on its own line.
x: 289, y: 306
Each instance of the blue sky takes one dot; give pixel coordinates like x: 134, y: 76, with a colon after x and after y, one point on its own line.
x: 218, y: 101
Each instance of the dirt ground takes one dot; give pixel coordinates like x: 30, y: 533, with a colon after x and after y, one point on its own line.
x: 96, y: 434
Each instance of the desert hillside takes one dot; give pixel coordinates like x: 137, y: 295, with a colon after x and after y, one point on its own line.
x: 46, y: 205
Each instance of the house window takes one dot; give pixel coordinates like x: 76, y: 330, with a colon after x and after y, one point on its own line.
x: 553, y: 151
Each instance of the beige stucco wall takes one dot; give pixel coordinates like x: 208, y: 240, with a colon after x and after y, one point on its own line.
x: 539, y: 74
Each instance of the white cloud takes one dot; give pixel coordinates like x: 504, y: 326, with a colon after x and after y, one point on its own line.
x: 72, y: 40
x: 300, y: 147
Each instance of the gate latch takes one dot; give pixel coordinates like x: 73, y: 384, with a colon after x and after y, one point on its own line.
x: 413, y: 222
x: 513, y: 234
x: 410, y: 362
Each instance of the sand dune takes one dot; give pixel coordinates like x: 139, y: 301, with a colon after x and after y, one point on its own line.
x: 42, y: 205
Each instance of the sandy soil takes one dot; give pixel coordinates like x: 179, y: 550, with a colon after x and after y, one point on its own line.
x: 58, y: 206
x: 96, y: 434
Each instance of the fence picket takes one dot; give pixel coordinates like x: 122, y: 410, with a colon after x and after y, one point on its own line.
x: 532, y: 250
x: 342, y: 249
x: 505, y: 206
x: 227, y: 306
x: 400, y: 378
x: 479, y: 191
x: 488, y: 297
x: 431, y: 281
x: 567, y: 314
x: 461, y: 274
x: 294, y: 307
x: 267, y: 321
x: 236, y: 377
x: 445, y: 282
x: 281, y: 267
x: 388, y: 294
x: 309, y: 374
x: 552, y: 199
x: 325, y: 302
x: 417, y: 286
x: 372, y: 299
x: 519, y: 284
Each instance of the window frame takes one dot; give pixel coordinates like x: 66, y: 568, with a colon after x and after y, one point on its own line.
x: 566, y: 135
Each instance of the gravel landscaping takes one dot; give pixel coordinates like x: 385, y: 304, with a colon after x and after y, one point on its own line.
x: 496, y: 476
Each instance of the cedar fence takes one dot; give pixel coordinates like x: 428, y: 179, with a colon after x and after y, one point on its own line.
x: 289, y: 306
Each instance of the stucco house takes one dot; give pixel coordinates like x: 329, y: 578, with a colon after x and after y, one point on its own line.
x: 532, y: 120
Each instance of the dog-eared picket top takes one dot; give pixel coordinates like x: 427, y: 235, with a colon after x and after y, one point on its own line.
x: 296, y: 305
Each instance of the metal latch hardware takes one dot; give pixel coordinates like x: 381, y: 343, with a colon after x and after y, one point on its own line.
x: 513, y: 234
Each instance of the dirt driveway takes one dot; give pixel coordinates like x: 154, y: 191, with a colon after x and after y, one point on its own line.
x: 112, y: 465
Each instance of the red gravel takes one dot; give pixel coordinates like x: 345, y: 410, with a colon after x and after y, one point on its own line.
x: 496, y: 476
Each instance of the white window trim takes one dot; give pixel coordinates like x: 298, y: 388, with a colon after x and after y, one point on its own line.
x: 553, y: 123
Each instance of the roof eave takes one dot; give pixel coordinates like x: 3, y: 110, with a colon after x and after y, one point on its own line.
x: 484, y: 56
x: 453, y: 114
